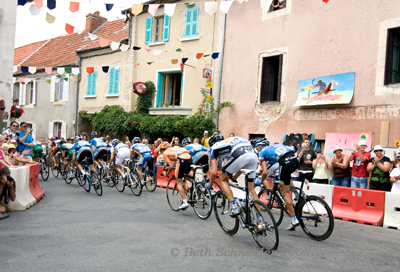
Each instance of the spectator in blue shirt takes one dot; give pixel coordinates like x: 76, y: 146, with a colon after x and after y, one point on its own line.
x: 25, y: 141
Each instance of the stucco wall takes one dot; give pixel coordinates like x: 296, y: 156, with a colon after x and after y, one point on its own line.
x: 321, y: 39
x: 8, y: 13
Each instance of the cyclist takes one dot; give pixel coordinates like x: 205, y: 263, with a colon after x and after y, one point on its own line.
x: 287, y: 160
x: 99, y: 148
x: 183, y: 161
x: 54, y: 149
x: 37, y: 152
x: 67, y: 154
x: 83, y: 151
x: 199, y: 154
x: 143, y: 152
x: 122, y: 151
x: 240, y: 154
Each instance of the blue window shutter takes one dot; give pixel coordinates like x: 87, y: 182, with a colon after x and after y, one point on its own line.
x: 188, y: 24
x: 89, y: 85
x: 195, y: 22
x: 116, y: 82
x: 94, y: 81
x: 167, y: 20
x: 149, y: 25
x: 111, y: 83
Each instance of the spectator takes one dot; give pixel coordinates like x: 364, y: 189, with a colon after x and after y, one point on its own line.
x: 4, y: 160
x: 204, y: 140
x: 12, y: 129
x: 379, y: 167
x: 2, y: 109
x: 154, y: 155
x: 159, y: 160
x: 6, y: 138
x: 175, y: 141
x: 340, y: 167
x: 360, y: 158
x: 108, y: 139
x: 306, y: 156
x: 25, y: 141
x: 232, y: 134
x: 395, y: 175
x: 7, y: 188
x: 196, y: 141
x: 128, y: 143
x: 85, y: 136
x: 321, y: 165
x: 295, y: 174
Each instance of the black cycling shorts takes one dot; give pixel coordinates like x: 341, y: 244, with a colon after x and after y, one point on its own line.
x: 289, y: 163
x: 182, y: 167
x: 85, y: 154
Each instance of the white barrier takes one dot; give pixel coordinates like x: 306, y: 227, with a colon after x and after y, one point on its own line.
x: 392, y: 210
x: 20, y: 203
x: 324, y: 191
x: 26, y: 191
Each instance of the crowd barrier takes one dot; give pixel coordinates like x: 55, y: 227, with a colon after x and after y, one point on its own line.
x: 162, y: 180
x: 34, y: 186
x: 392, y: 211
x: 22, y: 200
x: 360, y: 205
x: 323, y: 191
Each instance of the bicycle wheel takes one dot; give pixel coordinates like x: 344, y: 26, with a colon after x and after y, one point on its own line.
x: 106, y: 176
x: 79, y: 177
x: 98, y: 188
x: 134, y: 184
x: 229, y: 225
x: 203, y: 205
x: 119, y: 181
x: 265, y: 232
x: 150, y: 181
x: 216, y: 187
x: 274, y: 206
x: 173, y: 197
x: 44, y: 170
x: 316, y: 218
x: 63, y: 171
x: 86, y: 184
x: 54, y: 170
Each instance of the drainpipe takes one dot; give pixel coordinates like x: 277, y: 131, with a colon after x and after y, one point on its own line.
x: 220, y: 73
x: 77, y: 95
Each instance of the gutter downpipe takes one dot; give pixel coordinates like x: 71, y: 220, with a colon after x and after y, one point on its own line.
x: 77, y: 94
x: 220, y: 73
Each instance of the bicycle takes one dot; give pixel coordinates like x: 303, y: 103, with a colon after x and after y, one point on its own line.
x: 106, y: 173
x: 43, y: 168
x: 313, y: 213
x: 130, y: 180
x: 88, y: 178
x: 148, y: 175
x: 197, y: 195
x: 264, y: 230
x: 57, y: 170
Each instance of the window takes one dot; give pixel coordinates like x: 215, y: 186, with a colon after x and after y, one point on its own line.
x: 191, y: 23
x: 169, y: 89
x: 277, y: 5
x: 157, y: 29
x: 59, y: 89
x: 271, y: 75
x: 113, y: 86
x: 57, y: 129
x: 91, y: 84
x: 392, y: 66
x: 31, y: 92
x: 16, y: 90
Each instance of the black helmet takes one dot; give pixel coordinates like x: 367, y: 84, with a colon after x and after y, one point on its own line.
x: 254, y: 141
x: 214, y: 139
x: 186, y: 141
x: 262, y: 142
x: 94, y: 134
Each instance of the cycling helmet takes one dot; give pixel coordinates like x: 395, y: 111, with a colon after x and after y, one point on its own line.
x: 398, y: 154
x: 186, y: 141
x: 215, y: 138
x: 94, y: 134
x: 78, y: 138
x: 254, y: 141
x: 262, y: 142
x: 164, y: 145
x: 62, y: 142
x: 114, y: 141
x: 136, y: 140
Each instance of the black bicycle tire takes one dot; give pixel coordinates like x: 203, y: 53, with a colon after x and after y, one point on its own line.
x: 173, y: 194
x: 98, y: 188
x: 119, y: 182
x: 86, y: 186
x: 108, y: 179
x: 53, y: 170
x: 299, y: 214
x: 277, y: 210
x: 136, y: 186
x: 269, y: 225
x: 206, y: 196
x: 153, y: 181
x: 222, y: 208
x: 45, y: 169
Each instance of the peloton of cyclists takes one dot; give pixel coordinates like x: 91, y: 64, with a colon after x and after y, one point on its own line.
x: 99, y: 148
x: 83, y: 151
x: 199, y: 154
x: 141, y: 151
x: 122, y: 151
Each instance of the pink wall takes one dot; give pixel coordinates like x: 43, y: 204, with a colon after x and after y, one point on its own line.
x: 322, y: 39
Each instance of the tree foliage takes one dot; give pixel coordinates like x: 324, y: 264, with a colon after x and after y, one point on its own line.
x: 145, y: 101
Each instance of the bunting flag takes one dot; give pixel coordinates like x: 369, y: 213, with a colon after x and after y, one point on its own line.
x: 21, y: 80
x: 136, y: 48
x: 326, y: 1
x: 190, y: 5
x: 148, y: 50
x: 15, y: 68
x: 109, y: 6
x: 215, y: 55
x: 74, y: 79
x: 182, y: 67
x: 89, y: 70
x: 21, y: 2
x: 24, y: 69
x: 48, y: 81
x: 174, y: 61
x: 150, y: 62
x: 34, y: 10
x: 38, y: 3
x: 75, y: 71
x: 51, y: 4
x: 92, y: 36
x: 64, y: 77
x: 169, y: 9
x: 50, y: 18
x: 206, y: 55
x: 60, y: 70
x: 105, y: 69
x: 48, y: 70
x: 153, y: 9
x: 104, y: 42
x: 124, y: 47
x: 211, y: 7
x: 199, y: 55
x: 179, y: 50
x: 129, y: 66
x: 32, y: 70
x: 184, y: 60
x: 68, y: 70
x: 157, y: 52
x: 114, y: 45
x: 136, y: 9
x: 265, y: 4
x: 73, y: 6
x: 194, y: 59
x: 224, y: 6
x: 69, y: 28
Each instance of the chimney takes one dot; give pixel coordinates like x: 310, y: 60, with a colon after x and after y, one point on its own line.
x: 93, y: 21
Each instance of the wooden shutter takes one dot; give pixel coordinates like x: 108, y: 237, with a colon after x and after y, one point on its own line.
x: 94, y: 81
x: 195, y: 22
x: 116, y: 82
x: 111, y: 83
x: 149, y: 25
x: 188, y: 24
x: 264, y: 80
x: 50, y: 129
x: 89, y: 85
x: 389, y: 57
x: 279, y: 83
x: 52, y: 88
x: 167, y: 20
x: 64, y: 130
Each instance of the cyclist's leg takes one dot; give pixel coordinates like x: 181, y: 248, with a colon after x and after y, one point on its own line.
x: 179, y: 176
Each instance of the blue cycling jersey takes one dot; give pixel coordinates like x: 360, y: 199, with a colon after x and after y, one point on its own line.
x: 225, y: 148
x: 97, y: 142
x: 194, y: 148
x: 273, y: 153
x: 141, y: 148
x: 81, y: 144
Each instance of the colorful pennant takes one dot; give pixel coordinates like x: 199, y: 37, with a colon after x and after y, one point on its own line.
x: 109, y: 6
x: 105, y: 69
x: 136, y: 9
x: 38, y: 3
x: 69, y: 28
x: 34, y: 10
x: 50, y: 18
x: 51, y: 4
x: 74, y: 6
x: 153, y: 9
x: 89, y: 70
x: 104, y: 42
x: 169, y: 9
x: 224, y: 6
x: 211, y: 7
x: 48, y: 70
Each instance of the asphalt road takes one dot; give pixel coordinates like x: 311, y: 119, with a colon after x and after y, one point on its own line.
x: 71, y: 230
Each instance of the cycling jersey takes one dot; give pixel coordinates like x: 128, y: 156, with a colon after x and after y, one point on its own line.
x: 273, y: 153
x: 118, y: 146
x: 194, y: 148
x: 97, y: 142
x: 141, y: 149
x: 224, y: 149
x: 67, y: 146
x: 83, y: 151
x: 173, y: 153
x: 81, y: 145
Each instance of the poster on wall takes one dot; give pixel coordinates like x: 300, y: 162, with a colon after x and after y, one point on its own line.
x: 346, y: 141
x: 297, y: 140
x: 207, y: 72
x: 326, y: 90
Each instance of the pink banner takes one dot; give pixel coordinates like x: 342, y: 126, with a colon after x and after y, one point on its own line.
x: 346, y: 141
